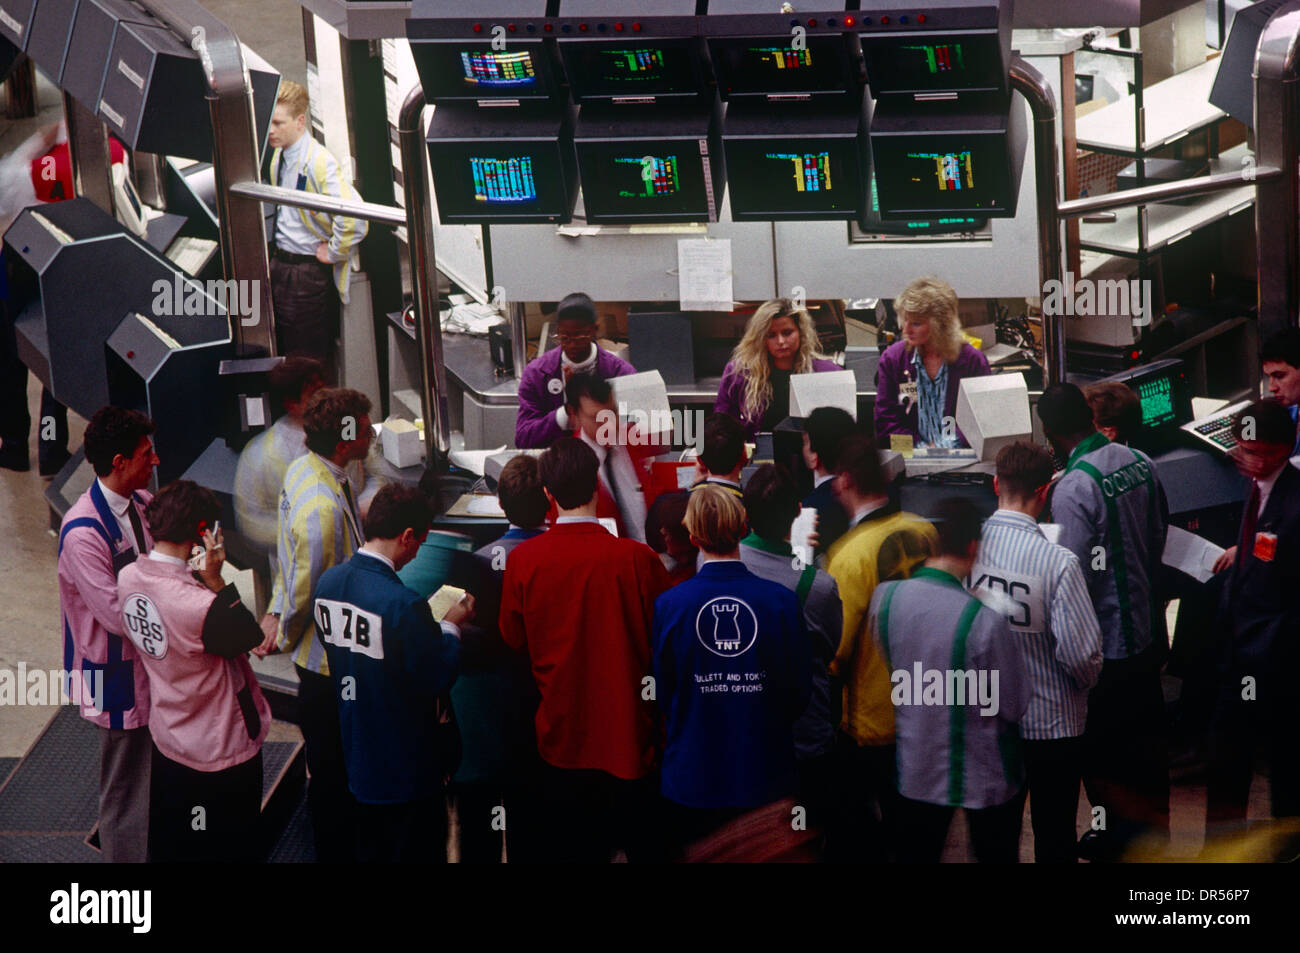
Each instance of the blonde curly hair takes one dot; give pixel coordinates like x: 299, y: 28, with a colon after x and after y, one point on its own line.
x: 933, y: 298
x: 753, y: 361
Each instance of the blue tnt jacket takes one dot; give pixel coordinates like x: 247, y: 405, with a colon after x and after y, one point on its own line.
x: 382, y: 636
x: 733, y: 670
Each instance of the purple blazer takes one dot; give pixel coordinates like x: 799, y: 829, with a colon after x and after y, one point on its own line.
x: 541, y: 394
x: 896, y: 367
x: 731, y: 394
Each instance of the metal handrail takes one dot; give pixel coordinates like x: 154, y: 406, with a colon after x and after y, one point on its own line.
x: 319, y: 202
x: 1165, y: 191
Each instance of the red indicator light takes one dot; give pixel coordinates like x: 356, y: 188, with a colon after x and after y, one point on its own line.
x: 582, y: 28
x: 636, y: 28
x: 478, y: 28
x: 812, y: 22
x: 618, y: 28
x: 884, y: 21
x: 511, y: 28
x: 921, y: 18
x: 130, y: 354
x: 849, y: 21
x: 548, y: 28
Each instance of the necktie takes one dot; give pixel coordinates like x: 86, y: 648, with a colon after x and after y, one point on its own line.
x: 137, y: 527
x: 352, y: 506
x: 1249, y: 520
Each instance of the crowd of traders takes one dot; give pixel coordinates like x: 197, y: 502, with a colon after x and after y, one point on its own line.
x: 686, y: 687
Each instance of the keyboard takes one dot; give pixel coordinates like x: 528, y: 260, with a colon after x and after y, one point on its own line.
x: 191, y: 254
x: 1216, y: 429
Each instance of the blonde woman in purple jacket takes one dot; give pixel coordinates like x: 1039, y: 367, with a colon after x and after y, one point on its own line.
x: 779, y: 341
x: 918, y: 377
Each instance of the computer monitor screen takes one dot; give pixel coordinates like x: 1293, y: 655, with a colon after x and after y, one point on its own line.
x: 451, y: 72
x: 499, y: 182
x: 1156, y: 397
x: 927, y: 63
x: 631, y: 181
x: 788, y: 178
x: 772, y: 66
x: 664, y: 69
x: 922, y: 175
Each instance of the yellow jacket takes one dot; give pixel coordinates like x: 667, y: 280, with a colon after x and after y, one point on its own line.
x: 321, y: 174
x: 886, y: 545
x: 317, y: 530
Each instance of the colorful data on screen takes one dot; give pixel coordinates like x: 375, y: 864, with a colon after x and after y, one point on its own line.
x: 654, y: 176
x: 952, y: 171
x: 503, y: 180
x: 1157, y: 400
x: 937, y: 58
x: 492, y: 68
x: 781, y: 58
x: 635, y: 65
x: 811, y: 170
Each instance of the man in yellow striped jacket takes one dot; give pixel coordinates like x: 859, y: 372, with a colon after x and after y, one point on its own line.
x: 319, y: 527
x: 307, y: 247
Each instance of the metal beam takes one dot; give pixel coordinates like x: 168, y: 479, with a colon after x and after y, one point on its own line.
x: 1033, y: 86
x: 419, y: 244
x: 370, y: 211
x: 1277, y: 201
x: 1166, y: 191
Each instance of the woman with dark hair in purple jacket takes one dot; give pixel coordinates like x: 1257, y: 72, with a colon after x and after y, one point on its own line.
x: 918, y: 377
x: 779, y: 340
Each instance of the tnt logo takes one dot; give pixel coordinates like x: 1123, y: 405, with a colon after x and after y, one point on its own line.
x: 726, y: 626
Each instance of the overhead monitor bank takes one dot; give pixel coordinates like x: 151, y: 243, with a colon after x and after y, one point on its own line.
x: 783, y: 102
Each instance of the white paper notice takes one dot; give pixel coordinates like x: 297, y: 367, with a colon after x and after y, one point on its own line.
x: 803, y: 526
x: 704, y: 274
x: 1191, y: 554
x: 1052, y: 531
x: 485, y: 506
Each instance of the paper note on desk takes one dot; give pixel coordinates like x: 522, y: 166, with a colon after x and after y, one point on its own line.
x: 485, y: 506
x: 804, y: 525
x: 1191, y: 554
x: 472, y: 460
x: 704, y: 274
x: 441, y: 601
x: 901, y: 443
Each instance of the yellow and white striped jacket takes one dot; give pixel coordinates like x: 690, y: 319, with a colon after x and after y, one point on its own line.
x: 317, y: 531
x: 319, y: 172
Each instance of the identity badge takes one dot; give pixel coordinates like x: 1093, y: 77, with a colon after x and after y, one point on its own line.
x: 1265, y: 546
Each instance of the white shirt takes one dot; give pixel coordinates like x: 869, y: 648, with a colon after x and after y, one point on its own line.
x: 1266, y: 488
x: 118, y: 505
x: 291, y: 234
x: 631, y: 503
x: 822, y: 479
x: 353, y: 516
x: 164, y: 558
x: 865, y: 512
x: 383, y: 559
x: 576, y: 519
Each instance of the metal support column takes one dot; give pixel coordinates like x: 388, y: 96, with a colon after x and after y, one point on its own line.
x: 1030, y: 83
x: 419, y: 243
x: 1277, y: 200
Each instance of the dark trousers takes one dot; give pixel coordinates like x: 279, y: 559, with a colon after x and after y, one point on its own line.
x: 580, y: 816
x: 1241, y: 729
x: 15, y: 416
x: 204, y: 816
x: 865, y: 791
x: 994, y: 831
x: 306, y: 311
x: 1053, y: 772
x: 1126, y: 753
x: 483, y: 810
x: 816, y: 793
x: 125, y: 756
x: 333, y: 808
x: 410, y: 833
